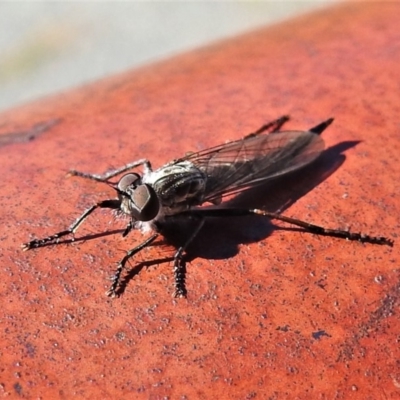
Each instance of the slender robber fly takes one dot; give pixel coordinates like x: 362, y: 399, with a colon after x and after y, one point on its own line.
x: 177, y: 189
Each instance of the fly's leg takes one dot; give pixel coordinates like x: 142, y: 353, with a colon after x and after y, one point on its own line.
x: 128, y: 228
x: 319, y: 230
x: 54, y: 239
x: 110, y: 174
x: 179, y: 265
x: 115, y: 279
x: 272, y: 126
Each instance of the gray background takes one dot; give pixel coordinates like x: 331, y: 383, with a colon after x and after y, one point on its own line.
x: 46, y: 47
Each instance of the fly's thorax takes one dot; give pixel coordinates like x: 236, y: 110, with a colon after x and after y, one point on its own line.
x: 179, y: 185
x: 138, y: 200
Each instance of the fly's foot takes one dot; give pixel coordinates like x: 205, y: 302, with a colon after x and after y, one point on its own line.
x: 375, y: 240
x: 53, y: 239
x: 179, y: 276
x: 112, y: 291
x: 93, y: 177
x: 33, y: 244
x: 180, y: 293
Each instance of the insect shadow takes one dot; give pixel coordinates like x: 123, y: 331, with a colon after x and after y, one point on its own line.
x: 220, y: 237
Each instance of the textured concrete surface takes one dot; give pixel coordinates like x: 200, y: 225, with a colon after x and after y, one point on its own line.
x: 271, y: 312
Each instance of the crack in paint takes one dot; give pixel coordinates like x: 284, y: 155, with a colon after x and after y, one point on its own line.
x: 27, y: 135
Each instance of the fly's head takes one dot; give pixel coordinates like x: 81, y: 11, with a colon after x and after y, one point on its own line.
x: 138, y: 199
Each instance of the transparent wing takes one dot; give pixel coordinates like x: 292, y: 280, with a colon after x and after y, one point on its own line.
x: 253, y: 160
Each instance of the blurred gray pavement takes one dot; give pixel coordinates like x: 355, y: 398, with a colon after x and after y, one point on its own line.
x: 46, y: 47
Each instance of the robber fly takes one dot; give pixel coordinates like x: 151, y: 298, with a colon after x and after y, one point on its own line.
x: 177, y: 189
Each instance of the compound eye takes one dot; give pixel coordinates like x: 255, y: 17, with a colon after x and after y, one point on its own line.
x: 128, y: 180
x: 145, y: 203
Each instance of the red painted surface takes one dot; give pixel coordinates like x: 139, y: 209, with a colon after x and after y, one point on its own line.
x: 257, y: 296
